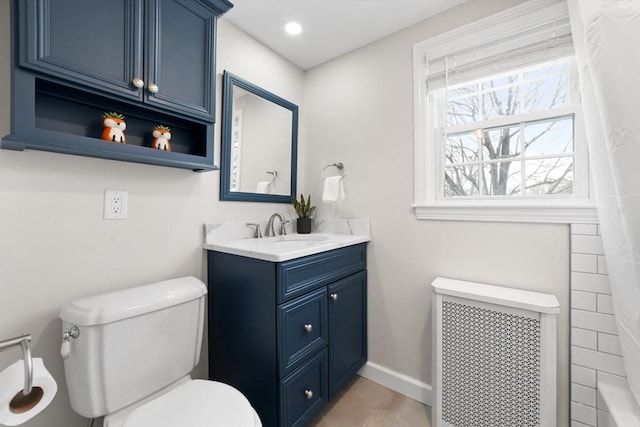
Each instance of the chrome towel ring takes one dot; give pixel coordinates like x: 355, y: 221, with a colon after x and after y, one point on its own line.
x: 338, y: 166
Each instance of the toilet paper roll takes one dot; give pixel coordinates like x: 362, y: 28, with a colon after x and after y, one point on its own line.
x: 15, y: 408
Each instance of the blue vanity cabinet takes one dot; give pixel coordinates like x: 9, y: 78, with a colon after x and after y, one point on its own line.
x: 287, y: 334
x: 151, y: 60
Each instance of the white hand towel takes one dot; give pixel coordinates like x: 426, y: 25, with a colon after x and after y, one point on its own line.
x: 333, y: 189
x: 264, y: 187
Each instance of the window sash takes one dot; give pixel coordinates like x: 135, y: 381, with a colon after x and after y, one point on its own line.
x: 438, y: 104
x: 580, y: 172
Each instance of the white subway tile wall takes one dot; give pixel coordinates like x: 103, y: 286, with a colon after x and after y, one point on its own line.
x: 584, y: 413
x: 599, y: 361
x: 597, y: 283
x: 595, y: 347
x: 602, y: 265
x: 584, y: 263
x: 584, y: 300
x: 594, y: 321
x: 604, y: 304
x: 584, y: 338
x: 584, y: 376
x: 586, y: 395
x: 609, y: 344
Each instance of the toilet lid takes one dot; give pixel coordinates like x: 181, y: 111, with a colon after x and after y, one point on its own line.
x: 197, y: 403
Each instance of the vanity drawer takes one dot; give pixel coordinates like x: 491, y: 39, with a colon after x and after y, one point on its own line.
x: 304, y: 329
x: 304, y: 392
x: 301, y: 275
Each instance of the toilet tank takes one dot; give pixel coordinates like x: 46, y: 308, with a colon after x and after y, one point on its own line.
x: 132, y: 343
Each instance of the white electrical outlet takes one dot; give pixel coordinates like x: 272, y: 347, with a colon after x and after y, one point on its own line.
x: 115, y: 204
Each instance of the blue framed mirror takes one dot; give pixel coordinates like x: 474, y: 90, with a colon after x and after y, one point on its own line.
x: 259, y: 144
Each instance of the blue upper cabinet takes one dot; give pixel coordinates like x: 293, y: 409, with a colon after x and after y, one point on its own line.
x: 86, y: 42
x: 151, y: 60
x: 157, y: 51
x: 180, y: 67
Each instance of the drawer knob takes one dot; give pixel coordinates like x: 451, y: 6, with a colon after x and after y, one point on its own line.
x: 153, y: 88
x: 308, y: 328
x: 308, y: 394
x: 137, y: 82
x: 334, y: 296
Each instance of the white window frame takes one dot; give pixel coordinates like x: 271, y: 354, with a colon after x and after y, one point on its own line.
x: 579, y: 208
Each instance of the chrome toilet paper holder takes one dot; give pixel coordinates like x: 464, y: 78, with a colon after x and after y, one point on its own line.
x: 23, y: 341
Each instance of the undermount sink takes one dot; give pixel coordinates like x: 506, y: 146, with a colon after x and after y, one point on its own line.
x: 293, y: 242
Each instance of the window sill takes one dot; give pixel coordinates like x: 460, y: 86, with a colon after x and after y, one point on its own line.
x: 556, y: 213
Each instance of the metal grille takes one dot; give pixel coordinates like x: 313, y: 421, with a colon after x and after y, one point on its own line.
x: 490, y: 367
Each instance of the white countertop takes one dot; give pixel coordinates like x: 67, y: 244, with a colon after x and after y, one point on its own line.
x: 284, y: 248
x: 235, y: 238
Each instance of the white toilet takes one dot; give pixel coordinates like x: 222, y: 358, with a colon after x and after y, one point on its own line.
x: 131, y: 359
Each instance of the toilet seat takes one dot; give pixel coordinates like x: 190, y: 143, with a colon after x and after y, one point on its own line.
x: 196, y: 403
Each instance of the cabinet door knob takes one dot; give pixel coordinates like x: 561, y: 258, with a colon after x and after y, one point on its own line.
x: 308, y: 394
x: 153, y: 88
x: 308, y: 328
x: 138, y: 83
x: 334, y: 296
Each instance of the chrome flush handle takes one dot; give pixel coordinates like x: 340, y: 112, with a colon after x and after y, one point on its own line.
x: 65, y: 349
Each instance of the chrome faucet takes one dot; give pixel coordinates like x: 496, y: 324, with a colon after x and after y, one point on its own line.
x: 270, y: 230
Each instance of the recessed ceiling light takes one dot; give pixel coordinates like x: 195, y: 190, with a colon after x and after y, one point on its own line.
x: 293, y: 28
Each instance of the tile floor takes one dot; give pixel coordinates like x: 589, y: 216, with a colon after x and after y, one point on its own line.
x: 364, y: 403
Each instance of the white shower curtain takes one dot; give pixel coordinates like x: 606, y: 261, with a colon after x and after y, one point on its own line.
x: 606, y: 37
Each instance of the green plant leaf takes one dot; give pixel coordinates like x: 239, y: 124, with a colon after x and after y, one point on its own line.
x: 303, y: 207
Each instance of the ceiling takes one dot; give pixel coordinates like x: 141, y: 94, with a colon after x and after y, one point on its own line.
x: 330, y: 27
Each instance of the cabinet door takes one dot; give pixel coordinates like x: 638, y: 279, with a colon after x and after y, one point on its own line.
x: 180, y: 68
x: 92, y: 43
x: 347, y: 329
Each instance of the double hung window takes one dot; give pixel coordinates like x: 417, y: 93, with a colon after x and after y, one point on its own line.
x: 499, y: 134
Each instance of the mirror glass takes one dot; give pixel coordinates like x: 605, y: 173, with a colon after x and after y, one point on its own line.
x: 259, y: 144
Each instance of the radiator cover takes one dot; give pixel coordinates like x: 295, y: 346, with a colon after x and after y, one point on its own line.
x: 494, y: 356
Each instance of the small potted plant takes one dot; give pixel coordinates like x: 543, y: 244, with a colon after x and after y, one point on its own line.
x: 305, y: 211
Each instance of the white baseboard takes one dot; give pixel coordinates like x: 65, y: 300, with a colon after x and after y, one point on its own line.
x: 396, y: 381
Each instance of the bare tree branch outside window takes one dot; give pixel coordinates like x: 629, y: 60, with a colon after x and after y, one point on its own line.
x: 522, y: 158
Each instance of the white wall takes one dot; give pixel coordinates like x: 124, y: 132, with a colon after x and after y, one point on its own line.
x: 359, y: 111
x: 55, y: 246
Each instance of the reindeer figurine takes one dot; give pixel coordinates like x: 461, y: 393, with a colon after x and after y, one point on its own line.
x: 161, y: 136
x: 114, y: 127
